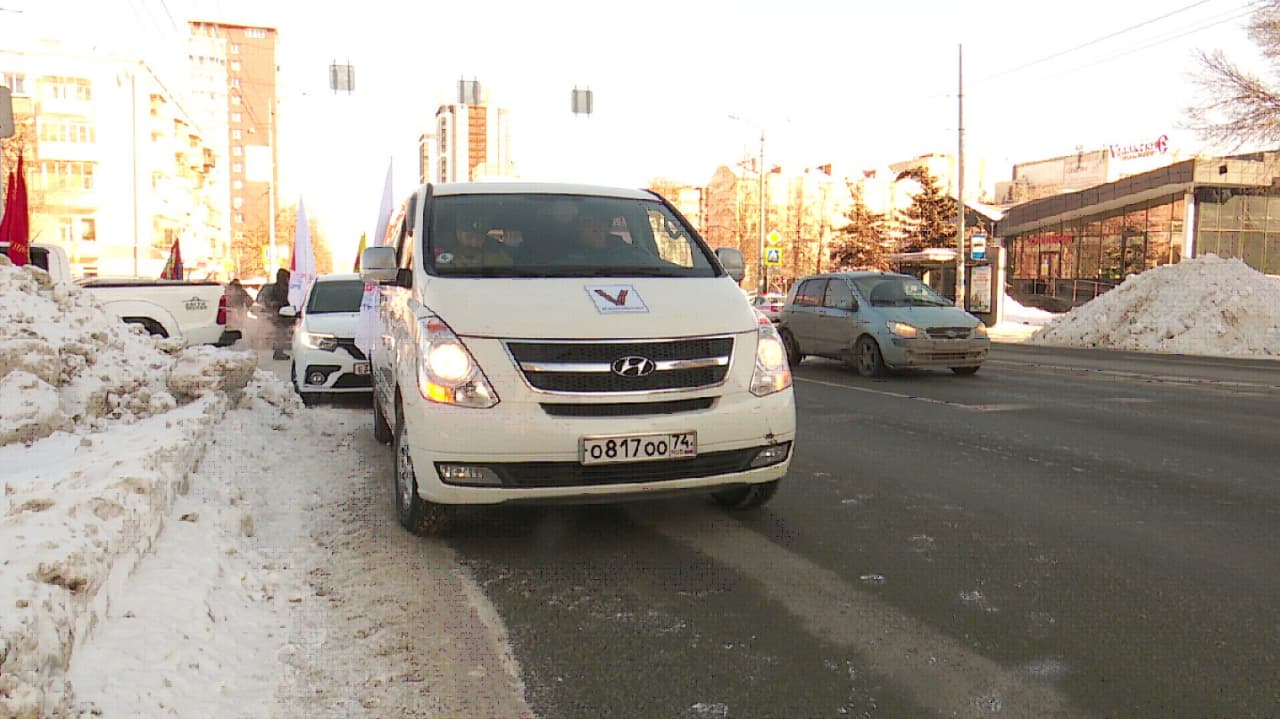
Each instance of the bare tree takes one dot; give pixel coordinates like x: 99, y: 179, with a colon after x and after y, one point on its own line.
x: 1242, y: 108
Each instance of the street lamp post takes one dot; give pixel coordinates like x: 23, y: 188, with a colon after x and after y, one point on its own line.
x: 764, y: 282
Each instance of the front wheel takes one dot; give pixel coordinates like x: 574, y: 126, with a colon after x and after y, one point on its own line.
x: 748, y: 497
x: 964, y: 371
x: 867, y: 359
x: 415, y: 513
x: 794, y: 355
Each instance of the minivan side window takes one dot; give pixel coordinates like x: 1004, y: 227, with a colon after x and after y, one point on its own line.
x: 838, y: 295
x: 810, y: 292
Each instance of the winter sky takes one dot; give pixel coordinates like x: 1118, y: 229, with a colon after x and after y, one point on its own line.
x: 852, y: 83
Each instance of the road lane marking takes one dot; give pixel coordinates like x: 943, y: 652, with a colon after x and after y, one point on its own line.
x: 917, y: 398
x: 936, y: 670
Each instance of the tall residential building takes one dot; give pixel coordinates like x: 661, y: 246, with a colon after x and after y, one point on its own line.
x: 237, y: 64
x: 471, y: 142
x: 115, y: 163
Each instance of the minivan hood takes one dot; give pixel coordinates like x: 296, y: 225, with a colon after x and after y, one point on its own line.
x: 338, y: 324
x: 924, y: 317
x: 586, y: 308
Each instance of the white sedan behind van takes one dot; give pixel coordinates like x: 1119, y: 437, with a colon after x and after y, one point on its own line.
x: 326, y: 360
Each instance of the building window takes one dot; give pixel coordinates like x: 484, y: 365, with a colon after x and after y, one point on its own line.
x: 236, y: 117
x: 15, y: 81
x: 234, y: 48
x: 239, y: 217
x: 237, y: 134
x: 88, y: 229
x: 237, y: 203
x: 237, y: 167
x: 237, y: 184
x: 235, y: 100
x: 235, y: 82
x: 237, y: 151
x: 255, y: 33
x: 235, y: 66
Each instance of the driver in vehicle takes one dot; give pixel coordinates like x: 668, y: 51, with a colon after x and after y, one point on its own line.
x: 474, y: 247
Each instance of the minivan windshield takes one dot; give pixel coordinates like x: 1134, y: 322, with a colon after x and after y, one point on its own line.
x: 542, y: 235
x: 898, y: 291
x: 336, y: 296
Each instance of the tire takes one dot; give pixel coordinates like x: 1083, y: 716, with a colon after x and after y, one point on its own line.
x: 964, y: 371
x: 794, y: 355
x: 417, y: 515
x: 308, y: 398
x: 867, y: 360
x: 381, y: 428
x: 748, y: 497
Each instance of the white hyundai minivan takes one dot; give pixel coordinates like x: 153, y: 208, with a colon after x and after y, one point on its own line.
x: 562, y: 343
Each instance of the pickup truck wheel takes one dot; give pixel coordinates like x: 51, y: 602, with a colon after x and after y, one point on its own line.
x: 153, y: 328
x: 748, y: 497
x: 415, y: 513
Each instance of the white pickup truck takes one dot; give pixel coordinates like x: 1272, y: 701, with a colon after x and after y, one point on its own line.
x: 195, y: 311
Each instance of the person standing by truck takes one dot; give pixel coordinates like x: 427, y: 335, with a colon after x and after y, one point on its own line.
x: 272, y: 298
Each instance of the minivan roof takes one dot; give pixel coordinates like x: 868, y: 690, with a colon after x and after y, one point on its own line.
x: 542, y: 188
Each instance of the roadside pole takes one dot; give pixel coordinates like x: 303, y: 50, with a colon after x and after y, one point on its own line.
x: 6, y: 131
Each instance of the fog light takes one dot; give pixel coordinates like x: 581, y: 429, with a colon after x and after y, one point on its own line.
x: 316, y: 377
x: 468, y: 474
x: 772, y: 454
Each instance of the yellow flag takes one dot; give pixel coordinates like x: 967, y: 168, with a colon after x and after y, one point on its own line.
x: 359, y: 251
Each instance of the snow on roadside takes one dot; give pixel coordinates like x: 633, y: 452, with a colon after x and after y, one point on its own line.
x: 100, y: 429
x: 1204, y: 306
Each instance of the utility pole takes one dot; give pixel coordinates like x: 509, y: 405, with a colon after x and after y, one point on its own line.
x: 960, y: 263
x: 764, y: 281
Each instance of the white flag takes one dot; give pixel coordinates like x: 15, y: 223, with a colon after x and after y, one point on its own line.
x: 367, y: 325
x: 302, y: 265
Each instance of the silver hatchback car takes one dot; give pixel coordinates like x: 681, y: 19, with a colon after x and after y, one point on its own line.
x: 879, y: 321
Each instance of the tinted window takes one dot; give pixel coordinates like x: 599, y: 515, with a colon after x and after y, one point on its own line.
x: 535, y: 235
x: 898, y: 291
x: 838, y: 295
x: 336, y: 296
x: 811, y: 292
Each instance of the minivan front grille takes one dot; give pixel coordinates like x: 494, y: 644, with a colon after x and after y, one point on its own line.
x: 593, y: 366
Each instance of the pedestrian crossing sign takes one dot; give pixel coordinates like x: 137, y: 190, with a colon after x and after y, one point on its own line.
x: 773, y: 257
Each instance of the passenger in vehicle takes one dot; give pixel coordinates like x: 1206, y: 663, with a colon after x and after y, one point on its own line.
x: 474, y: 246
x: 597, y: 244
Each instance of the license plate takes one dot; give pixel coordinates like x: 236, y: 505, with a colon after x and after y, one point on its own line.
x: 637, y: 447
x: 362, y: 368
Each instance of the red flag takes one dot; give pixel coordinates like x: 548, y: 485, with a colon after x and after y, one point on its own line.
x: 15, y: 228
x: 173, y: 268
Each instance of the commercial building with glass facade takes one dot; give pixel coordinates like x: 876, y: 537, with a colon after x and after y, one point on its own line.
x: 1078, y: 245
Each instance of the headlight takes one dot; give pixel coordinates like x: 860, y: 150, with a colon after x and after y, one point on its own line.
x: 447, y: 373
x: 317, y: 341
x: 904, y: 330
x: 980, y: 330
x: 772, y: 372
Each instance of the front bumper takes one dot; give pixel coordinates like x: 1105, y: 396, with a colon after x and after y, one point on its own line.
x: 530, y: 441
x: 337, y: 371
x: 904, y: 353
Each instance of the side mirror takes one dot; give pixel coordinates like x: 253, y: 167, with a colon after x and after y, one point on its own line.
x: 378, y: 265
x: 731, y: 260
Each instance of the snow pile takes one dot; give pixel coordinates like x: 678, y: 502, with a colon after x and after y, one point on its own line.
x: 101, y: 428
x: 67, y: 364
x: 1204, y: 306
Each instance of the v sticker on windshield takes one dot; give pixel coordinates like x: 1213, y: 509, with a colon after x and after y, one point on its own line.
x: 616, y: 298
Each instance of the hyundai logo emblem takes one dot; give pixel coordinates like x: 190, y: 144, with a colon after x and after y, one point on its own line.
x: 633, y: 366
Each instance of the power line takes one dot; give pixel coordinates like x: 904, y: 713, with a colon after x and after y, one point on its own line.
x: 1093, y: 42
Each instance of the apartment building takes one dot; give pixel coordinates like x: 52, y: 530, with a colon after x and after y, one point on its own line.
x: 234, y: 82
x: 116, y: 165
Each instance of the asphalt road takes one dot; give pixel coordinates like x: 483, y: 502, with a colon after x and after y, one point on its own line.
x: 1068, y: 533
